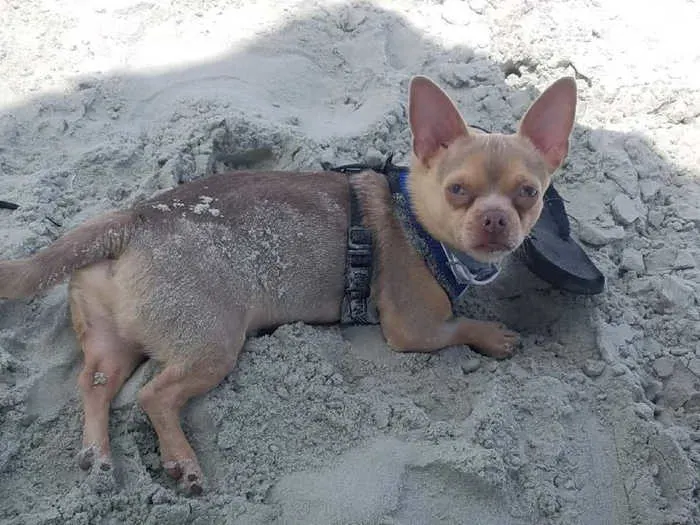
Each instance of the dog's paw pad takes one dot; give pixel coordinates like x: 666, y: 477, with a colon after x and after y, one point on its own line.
x: 188, y: 474
x: 191, y: 484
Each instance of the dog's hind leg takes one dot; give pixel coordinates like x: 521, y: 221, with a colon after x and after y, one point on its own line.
x: 109, y: 361
x: 165, y: 395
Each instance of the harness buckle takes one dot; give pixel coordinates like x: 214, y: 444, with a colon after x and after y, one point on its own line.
x: 359, y: 238
x: 356, y: 307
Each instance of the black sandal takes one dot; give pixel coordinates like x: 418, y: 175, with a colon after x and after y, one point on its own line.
x: 552, y: 255
x: 5, y: 205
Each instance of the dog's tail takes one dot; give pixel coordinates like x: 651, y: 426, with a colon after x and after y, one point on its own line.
x: 105, y: 237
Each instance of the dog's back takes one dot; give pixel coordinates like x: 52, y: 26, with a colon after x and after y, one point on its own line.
x: 270, y: 243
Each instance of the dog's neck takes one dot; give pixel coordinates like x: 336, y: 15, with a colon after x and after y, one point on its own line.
x: 454, y: 270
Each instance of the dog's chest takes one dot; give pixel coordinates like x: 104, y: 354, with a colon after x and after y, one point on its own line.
x: 454, y: 271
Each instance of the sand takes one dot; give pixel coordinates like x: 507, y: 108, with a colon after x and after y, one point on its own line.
x: 596, y: 420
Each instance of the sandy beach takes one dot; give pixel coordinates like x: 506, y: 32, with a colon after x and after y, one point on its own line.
x: 595, y: 420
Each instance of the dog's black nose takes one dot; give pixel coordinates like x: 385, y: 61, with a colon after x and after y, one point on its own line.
x: 494, y: 221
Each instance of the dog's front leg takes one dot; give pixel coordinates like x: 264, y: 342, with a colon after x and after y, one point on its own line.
x: 415, y: 312
x: 419, y: 319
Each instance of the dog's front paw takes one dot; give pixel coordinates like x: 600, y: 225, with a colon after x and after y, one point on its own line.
x: 496, y: 340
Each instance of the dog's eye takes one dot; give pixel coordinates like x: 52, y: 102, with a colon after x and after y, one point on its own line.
x: 528, y: 191
x: 457, y: 189
x: 457, y: 195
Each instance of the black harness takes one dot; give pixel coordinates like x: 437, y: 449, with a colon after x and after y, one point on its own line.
x: 357, y: 307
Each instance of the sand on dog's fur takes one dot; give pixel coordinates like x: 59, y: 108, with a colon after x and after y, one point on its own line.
x: 595, y: 420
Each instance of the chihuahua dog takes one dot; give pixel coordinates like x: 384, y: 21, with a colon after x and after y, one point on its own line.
x: 185, y: 277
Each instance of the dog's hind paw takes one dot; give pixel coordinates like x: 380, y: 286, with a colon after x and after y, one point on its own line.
x: 90, y: 457
x: 188, y: 475
x: 191, y: 484
x: 100, y: 477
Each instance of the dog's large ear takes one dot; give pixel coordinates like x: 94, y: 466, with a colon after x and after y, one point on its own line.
x: 549, y: 121
x: 434, y: 119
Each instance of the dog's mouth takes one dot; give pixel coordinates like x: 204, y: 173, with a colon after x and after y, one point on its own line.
x: 492, y: 247
x: 489, y: 252
x: 489, y: 248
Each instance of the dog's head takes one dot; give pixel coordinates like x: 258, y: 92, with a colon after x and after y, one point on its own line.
x: 482, y: 193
